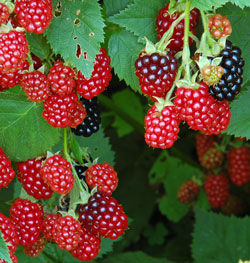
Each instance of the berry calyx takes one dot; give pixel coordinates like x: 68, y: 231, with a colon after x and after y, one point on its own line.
x: 187, y: 192
x: 239, y: 165
x: 156, y: 73
x: 34, y: 15
x: 230, y: 83
x: 9, y: 232
x: 103, y: 176
x: 162, y: 128
x: 13, y: 51
x: 67, y: 231
x: 56, y: 172
x: 164, y: 21
x: 61, y: 79
x: 219, y: 26
x: 36, y: 248
x: 217, y: 190
x: 29, y: 175
x: 57, y: 109
x: 103, y: 216
x: 88, y: 247
x: 201, y: 111
x: 92, y: 121
x: 100, y: 77
x: 36, y: 86
x: 28, y: 219
x: 48, y: 224
x: 6, y: 171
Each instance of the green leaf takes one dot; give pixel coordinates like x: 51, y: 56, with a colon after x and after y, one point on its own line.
x: 177, y: 173
x: 202, y: 201
x: 159, y: 169
x: 240, y: 19
x: 219, y: 238
x: 134, y: 257
x: 241, y: 3
x: 76, y: 150
x: 4, y: 252
x: 156, y: 234
x: 24, y: 133
x: 208, y: 4
x: 77, y: 24
x: 124, y: 49
x: 98, y: 146
x: 38, y: 45
x: 114, y: 6
x: 135, y: 110
x: 240, y: 119
x: 140, y: 23
x: 106, y: 246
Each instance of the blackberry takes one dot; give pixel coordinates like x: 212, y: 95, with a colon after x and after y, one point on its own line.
x: 82, y: 168
x: 91, y: 123
x: 230, y: 84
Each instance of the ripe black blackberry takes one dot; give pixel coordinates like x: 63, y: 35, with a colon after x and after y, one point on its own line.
x: 230, y: 83
x: 91, y: 123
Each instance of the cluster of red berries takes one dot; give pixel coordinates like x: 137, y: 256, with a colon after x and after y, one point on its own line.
x: 101, y: 216
x: 233, y: 167
x: 192, y: 103
x: 32, y: 16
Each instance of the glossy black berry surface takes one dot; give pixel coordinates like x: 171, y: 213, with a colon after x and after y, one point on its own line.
x: 230, y: 84
x: 92, y: 121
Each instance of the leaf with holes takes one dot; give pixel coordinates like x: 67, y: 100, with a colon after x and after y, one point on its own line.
x: 76, y: 32
x: 24, y: 133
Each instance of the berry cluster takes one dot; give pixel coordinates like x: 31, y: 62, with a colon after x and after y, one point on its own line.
x: 156, y: 74
x: 6, y: 171
x: 92, y: 121
x: 230, y: 82
x: 233, y: 168
x: 201, y: 111
x: 166, y: 18
x: 199, y: 98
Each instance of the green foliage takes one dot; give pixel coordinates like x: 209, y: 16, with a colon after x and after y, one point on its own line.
x: 98, y: 146
x: 135, y: 110
x: 24, y: 133
x: 210, y: 4
x: 77, y: 24
x: 240, y: 120
x: 159, y: 169
x: 219, y: 238
x: 156, y: 234
x: 140, y: 23
x: 123, y: 50
x: 177, y: 172
x: 134, y: 257
x: 114, y: 6
x: 38, y: 45
x: 4, y: 252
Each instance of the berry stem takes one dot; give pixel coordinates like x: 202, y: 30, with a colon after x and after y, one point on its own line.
x: 65, y: 143
x: 162, y: 44
x: 205, y: 26
x: 186, y: 50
